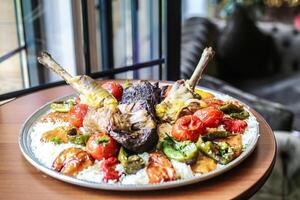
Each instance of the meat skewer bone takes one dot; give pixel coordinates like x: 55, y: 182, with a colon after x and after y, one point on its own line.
x: 90, y: 92
x: 182, y: 93
x: 206, y: 56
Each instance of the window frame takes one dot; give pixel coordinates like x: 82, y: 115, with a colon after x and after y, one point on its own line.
x: 168, y: 50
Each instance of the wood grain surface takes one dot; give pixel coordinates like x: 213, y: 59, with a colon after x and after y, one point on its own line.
x: 20, y: 180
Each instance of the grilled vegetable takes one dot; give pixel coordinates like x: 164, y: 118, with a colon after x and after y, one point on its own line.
x: 91, y: 93
x: 242, y: 115
x: 188, y: 127
x: 114, y: 88
x: 234, y: 125
x: 210, y: 116
x: 57, y: 135
x: 56, y: 117
x: 62, y: 106
x: 143, y: 93
x: 204, y: 164
x: 231, y: 108
x: 65, y: 134
x: 71, y: 161
x: 204, y: 94
x: 135, y: 127
x: 234, y: 110
x: 221, y: 152
x: 216, y: 135
x: 131, y: 163
x: 77, y: 114
x: 235, y: 141
x: 185, y: 151
x: 79, y: 139
x: 101, y: 145
x: 160, y: 168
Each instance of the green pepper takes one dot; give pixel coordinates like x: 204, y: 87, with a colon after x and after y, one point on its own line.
x: 216, y: 135
x: 56, y: 140
x: 226, y: 151
x: 220, y: 152
x: 242, y: 115
x: 131, y: 163
x: 79, y: 139
x: 181, y: 151
x: 234, y: 111
x: 62, y: 106
x: 231, y: 108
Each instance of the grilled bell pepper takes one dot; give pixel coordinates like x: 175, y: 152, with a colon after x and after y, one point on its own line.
x: 216, y: 135
x: 184, y: 151
x: 220, y: 152
x: 131, y: 163
x: 62, y: 106
x: 234, y: 111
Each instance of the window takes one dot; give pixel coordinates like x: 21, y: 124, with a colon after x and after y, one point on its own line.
x: 122, y: 39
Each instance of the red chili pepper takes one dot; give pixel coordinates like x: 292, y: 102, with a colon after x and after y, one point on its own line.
x: 235, y: 126
x: 108, y: 168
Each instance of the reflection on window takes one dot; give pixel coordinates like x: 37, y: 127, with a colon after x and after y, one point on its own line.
x: 27, y: 28
x: 63, y: 27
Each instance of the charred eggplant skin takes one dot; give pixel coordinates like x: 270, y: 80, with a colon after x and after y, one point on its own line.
x: 140, y: 135
x: 146, y: 93
x: 138, y: 143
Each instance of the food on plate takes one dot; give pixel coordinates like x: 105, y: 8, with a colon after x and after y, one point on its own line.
x: 71, y: 161
x: 140, y: 132
x: 102, y: 146
x: 188, y: 127
x: 160, y: 168
x: 114, y: 88
x: 131, y: 163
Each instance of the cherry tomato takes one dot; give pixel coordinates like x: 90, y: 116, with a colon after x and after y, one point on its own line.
x: 210, y: 116
x: 234, y: 125
x: 188, y: 127
x: 109, y: 169
x: 160, y: 168
x: 101, y: 145
x: 77, y: 114
x: 114, y: 88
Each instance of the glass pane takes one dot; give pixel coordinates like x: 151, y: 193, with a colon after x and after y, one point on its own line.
x: 128, y: 75
x: 41, y: 26
x: 151, y: 73
x: 11, y: 78
x: 58, y: 36
x: 8, y: 28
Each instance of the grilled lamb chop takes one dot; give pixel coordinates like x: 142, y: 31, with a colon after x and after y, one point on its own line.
x: 91, y: 93
x: 182, y: 91
x: 132, y: 123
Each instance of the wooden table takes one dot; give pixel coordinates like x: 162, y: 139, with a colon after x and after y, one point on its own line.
x: 20, y: 180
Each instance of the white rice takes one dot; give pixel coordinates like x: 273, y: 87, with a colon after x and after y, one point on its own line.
x: 92, y: 173
x: 46, y: 153
x: 140, y: 177
x: 183, y: 170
